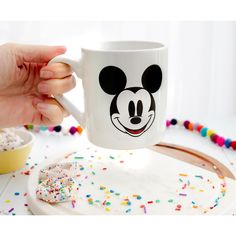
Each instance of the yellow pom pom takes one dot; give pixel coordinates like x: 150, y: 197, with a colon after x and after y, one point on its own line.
x: 210, y: 132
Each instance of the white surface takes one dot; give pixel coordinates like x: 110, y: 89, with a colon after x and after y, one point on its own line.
x: 49, y: 145
x: 202, y: 56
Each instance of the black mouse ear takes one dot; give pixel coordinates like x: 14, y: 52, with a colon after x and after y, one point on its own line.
x: 152, y: 78
x: 112, y: 80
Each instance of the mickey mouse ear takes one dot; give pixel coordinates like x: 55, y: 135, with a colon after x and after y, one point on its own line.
x: 112, y: 80
x: 152, y: 78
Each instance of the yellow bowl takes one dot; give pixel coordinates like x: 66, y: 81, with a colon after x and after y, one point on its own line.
x: 15, y: 159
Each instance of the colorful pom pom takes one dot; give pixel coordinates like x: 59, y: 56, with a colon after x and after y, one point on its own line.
x: 199, y: 128
x: 43, y: 128
x: 173, y: 121
x: 186, y: 123
x: 50, y: 129
x: 210, y: 132
x: 73, y: 130
x: 195, y: 126
x: 214, y: 138
x: 228, y: 143
x: 233, y: 145
x: 79, y: 129
x: 30, y: 126
x: 203, y: 132
x: 168, y: 123
x: 220, y: 141
x: 190, y: 126
x: 57, y: 128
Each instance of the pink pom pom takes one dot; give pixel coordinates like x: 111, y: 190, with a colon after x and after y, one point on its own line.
x: 167, y: 123
x: 51, y: 129
x: 220, y: 141
x: 36, y: 129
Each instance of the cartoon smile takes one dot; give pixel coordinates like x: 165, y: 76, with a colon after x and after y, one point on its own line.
x: 134, y: 132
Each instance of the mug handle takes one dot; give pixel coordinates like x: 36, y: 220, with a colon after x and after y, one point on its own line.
x: 66, y: 103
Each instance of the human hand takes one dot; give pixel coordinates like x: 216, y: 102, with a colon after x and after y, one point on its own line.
x: 27, y: 85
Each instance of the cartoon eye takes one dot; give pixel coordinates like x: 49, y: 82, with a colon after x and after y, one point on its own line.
x: 131, y: 108
x: 139, y: 108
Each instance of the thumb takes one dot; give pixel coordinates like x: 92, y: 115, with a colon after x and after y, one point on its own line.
x: 37, y: 53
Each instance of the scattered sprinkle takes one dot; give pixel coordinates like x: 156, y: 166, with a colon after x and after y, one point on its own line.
x: 102, y: 187
x: 78, y: 158
x: 73, y: 203
x: 12, y: 209
x: 128, y: 210
x: 183, y: 175
x: 199, y: 176
x: 145, y: 210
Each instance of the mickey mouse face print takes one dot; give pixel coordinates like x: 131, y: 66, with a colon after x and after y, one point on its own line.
x: 133, y: 109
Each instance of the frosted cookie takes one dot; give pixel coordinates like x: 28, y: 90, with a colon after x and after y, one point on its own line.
x: 54, y: 190
x: 62, y: 170
x: 9, y: 140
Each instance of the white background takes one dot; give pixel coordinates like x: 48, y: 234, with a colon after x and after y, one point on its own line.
x: 202, y: 56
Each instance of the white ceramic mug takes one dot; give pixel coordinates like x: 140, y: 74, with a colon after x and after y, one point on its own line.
x: 125, y: 88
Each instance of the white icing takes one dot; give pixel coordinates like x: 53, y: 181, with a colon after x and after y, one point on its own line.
x: 63, y: 170
x: 54, y: 190
x: 9, y: 140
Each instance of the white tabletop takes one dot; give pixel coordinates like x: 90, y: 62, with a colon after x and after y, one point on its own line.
x: 13, y: 185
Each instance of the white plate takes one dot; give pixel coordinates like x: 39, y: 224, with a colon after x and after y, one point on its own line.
x: 159, y: 179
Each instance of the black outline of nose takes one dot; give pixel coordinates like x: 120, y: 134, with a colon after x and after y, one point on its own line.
x: 135, y: 120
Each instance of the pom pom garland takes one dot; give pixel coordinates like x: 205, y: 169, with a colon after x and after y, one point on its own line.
x: 204, y: 132
x: 72, y: 130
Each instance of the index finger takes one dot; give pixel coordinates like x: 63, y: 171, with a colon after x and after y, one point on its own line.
x: 55, y: 70
x: 37, y: 53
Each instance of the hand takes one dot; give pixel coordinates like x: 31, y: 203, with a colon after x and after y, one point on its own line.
x: 27, y: 85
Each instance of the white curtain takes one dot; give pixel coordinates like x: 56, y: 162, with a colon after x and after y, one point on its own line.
x: 202, y: 57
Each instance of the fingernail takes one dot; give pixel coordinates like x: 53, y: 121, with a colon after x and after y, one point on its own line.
x: 61, y: 48
x: 42, y: 88
x: 46, y: 74
x: 42, y: 106
x: 36, y: 101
